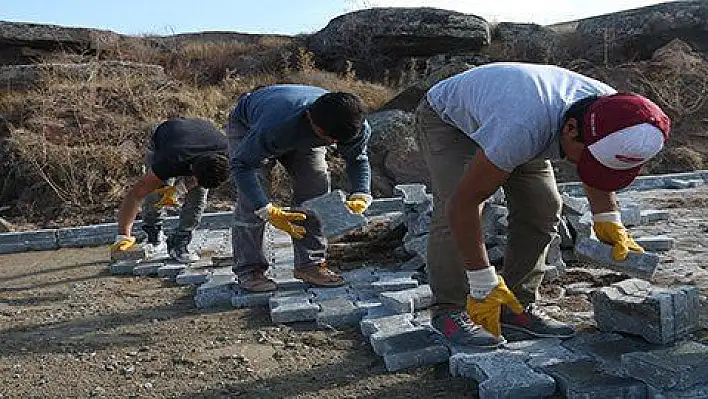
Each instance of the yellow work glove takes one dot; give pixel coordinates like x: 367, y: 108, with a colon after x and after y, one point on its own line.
x: 169, y: 196
x: 122, y: 243
x: 485, y: 310
x: 282, y: 220
x: 609, y: 229
x: 359, y: 202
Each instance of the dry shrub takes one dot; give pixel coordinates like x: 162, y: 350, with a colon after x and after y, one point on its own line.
x: 675, y: 160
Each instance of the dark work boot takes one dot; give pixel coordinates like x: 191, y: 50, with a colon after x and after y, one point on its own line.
x: 177, y: 247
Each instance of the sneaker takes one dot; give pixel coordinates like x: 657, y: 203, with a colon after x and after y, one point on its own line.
x: 534, y: 322
x: 178, y: 247
x: 154, y: 235
x: 462, y: 333
x: 319, y: 275
x: 256, y: 282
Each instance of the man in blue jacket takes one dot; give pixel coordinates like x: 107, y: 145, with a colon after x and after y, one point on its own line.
x: 293, y: 125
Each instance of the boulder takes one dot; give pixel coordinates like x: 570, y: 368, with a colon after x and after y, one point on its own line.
x: 525, y: 43
x: 393, y: 151
x: 379, y: 38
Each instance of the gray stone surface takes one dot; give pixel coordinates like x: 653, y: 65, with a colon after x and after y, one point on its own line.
x: 653, y: 215
x: 393, y: 284
x: 408, y: 301
x: 656, y: 243
x: 417, y: 354
x: 386, y: 324
x: 575, y: 205
x: 697, y: 392
x: 86, y: 236
x: 338, y: 312
x: 384, y: 205
x: 290, y: 309
x: 122, y: 267
x: 658, y: 315
x: 541, y: 353
x: 192, y: 277
x: 641, y: 265
x: 496, y: 254
x: 580, y: 226
x: 147, y: 268
x: 414, y: 263
x: 678, y: 184
x: 244, y: 299
x: 554, y: 256
x: 681, y: 367
x: 414, y: 195
x: 417, y: 246
x: 491, y: 214
x: 567, y: 241
x: 606, y: 350
x: 326, y: 294
x: 581, y: 380
x: 631, y: 215
x: 28, y: 241
x: 216, y: 291
x: 502, y: 375
x: 333, y: 213
x: 135, y: 253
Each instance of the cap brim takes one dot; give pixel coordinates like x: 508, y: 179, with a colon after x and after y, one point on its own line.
x: 598, y: 176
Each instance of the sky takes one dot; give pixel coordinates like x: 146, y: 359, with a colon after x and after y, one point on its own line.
x: 164, y: 17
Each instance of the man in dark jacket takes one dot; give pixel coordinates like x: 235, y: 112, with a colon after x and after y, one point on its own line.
x: 293, y: 125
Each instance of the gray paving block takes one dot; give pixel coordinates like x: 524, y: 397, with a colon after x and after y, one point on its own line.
x: 541, y: 353
x: 631, y: 215
x: 417, y: 246
x: 581, y: 380
x: 554, y: 256
x: 290, y: 309
x: 216, y: 291
x: 386, y: 324
x: 416, y: 356
x: 122, y: 267
x: 192, y: 277
x: 697, y: 392
x: 289, y: 283
x: 40, y: 240
x: 384, y: 205
x: 490, y: 218
x: 656, y: 243
x: 567, y: 241
x: 414, y: 196
x: 244, y: 299
x: 385, y: 341
x: 580, y: 226
x: 676, y: 368
x: 417, y: 224
x: 393, y: 284
x: 678, y: 184
x: 653, y: 215
x: 134, y: 253
x: 326, y: 294
x: 658, y: 315
x: 607, y: 350
x: 408, y: 301
x: 337, y: 312
x: 222, y: 260
x: 374, y: 311
x: 333, y: 213
x: 641, y: 265
x: 362, y: 275
x: 410, y: 347
x: 86, y: 236
x: 496, y: 254
x: 502, y: 375
x: 574, y: 205
x: 415, y: 263
x: 147, y: 268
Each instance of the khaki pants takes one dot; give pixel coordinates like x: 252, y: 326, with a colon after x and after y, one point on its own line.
x: 534, y: 211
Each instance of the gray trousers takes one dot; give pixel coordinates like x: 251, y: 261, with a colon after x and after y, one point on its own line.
x: 310, y: 176
x: 192, y: 208
x: 534, y: 211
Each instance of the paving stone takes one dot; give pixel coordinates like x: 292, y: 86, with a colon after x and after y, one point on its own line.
x: 290, y: 309
x: 496, y: 254
x: 408, y: 301
x: 415, y: 354
x: 631, y: 215
x: 653, y: 215
x: 678, y: 184
x: 375, y: 312
x: 569, y: 256
x: 641, y: 265
x: 566, y: 237
x: 554, y: 256
x: 579, y: 288
x: 362, y: 275
x: 417, y: 224
x: 607, y: 350
x: 386, y: 324
x: 580, y: 380
x: 393, y: 284
x: 367, y: 306
x: 244, y: 299
x: 676, y: 368
x: 541, y: 353
x: 490, y: 218
x: 122, y: 267
x: 29, y: 241
x: 192, y: 277
x: 147, y: 268
x: 384, y: 205
x: 86, y: 236
x: 289, y: 283
x: 574, y: 205
x: 222, y: 260
x: 656, y: 243
x: 498, y: 198
x: 333, y: 213
x: 697, y: 392
x: 496, y: 240
x: 337, y: 313
x: 417, y: 246
x: 658, y: 315
x: 134, y: 253
x: 326, y: 294
x: 414, y: 196
x: 415, y: 263
x: 502, y: 375
x: 580, y: 226
x: 216, y: 291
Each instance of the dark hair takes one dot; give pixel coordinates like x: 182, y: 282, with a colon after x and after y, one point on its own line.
x: 210, y: 170
x: 339, y: 114
x: 577, y: 112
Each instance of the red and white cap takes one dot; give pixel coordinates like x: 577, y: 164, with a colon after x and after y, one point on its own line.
x: 621, y: 132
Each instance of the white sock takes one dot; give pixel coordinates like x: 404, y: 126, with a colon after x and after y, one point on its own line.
x: 482, y: 282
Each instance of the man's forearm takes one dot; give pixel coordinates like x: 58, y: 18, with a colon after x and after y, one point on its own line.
x: 601, y: 201
x: 359, y: 173
x: 466, y: 227
x: 126, y: 215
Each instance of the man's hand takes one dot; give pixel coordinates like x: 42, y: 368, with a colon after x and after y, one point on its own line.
x: 359, y: 202
x: 169, y: 196
x: 122, y: 243
x: 487, y: 311
x: 282, y: 220
x: 610, y: 230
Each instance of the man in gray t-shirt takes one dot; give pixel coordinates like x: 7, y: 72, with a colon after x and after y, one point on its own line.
x: 499, y: 125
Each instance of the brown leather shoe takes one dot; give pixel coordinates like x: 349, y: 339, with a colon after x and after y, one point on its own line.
x: 256, y: 282
x: 319, y: 275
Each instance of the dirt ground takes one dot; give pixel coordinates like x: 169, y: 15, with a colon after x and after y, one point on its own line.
x: 70, y: 329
